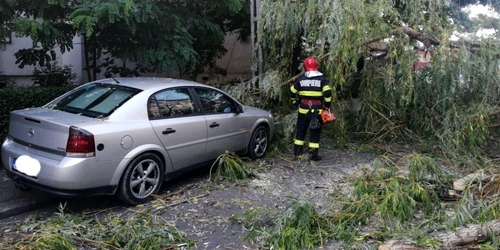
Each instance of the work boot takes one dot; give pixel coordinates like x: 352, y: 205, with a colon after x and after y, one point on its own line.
x: 297, y: 151
x: 313, y: 155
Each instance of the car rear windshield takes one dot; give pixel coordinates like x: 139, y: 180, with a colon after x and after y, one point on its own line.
x: 96, y: 100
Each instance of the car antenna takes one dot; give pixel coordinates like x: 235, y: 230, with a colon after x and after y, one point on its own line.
x: 115, y: 80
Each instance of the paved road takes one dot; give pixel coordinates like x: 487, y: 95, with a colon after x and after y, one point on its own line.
x: 14, y: 201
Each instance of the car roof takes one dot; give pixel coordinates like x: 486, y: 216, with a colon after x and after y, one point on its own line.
x: 149, y: 83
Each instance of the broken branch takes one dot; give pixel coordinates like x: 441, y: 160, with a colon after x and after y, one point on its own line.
x: 461, y: 236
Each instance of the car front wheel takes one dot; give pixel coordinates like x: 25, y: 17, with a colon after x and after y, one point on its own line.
x: 142, y: 178
x: 259, y: 143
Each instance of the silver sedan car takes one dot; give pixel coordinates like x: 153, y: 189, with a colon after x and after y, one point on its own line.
x: 126, y: 136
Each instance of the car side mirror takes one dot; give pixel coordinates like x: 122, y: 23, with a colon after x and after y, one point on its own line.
x: 239, y: 109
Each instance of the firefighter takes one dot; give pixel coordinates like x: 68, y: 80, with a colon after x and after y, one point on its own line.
x: 313, y: 95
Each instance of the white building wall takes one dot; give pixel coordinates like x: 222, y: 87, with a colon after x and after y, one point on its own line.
x: 237, y: 62
x: 74, y: 58
x: 23, y: 76
x: 8, y: 66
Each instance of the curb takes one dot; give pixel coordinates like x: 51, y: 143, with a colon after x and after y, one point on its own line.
x: 15, y: 202
x: 17, y: 207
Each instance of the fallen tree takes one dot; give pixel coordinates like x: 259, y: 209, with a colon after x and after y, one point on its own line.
x: 441, y: 103
x: 462, y: 236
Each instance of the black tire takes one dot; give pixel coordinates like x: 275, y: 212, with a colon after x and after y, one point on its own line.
x: 258, y: 144
x: 135, y: 189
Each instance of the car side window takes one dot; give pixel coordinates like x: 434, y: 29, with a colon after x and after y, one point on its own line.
x: 214, y: 102
x: 170, y: 103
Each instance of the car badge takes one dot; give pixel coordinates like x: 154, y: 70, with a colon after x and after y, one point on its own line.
x: 31, y: 132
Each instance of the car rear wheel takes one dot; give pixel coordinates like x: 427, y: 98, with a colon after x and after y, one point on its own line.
x: 142, y: 178
x: 259, y: 143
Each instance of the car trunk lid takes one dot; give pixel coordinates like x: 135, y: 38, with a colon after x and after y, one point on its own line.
x: 44, y: 129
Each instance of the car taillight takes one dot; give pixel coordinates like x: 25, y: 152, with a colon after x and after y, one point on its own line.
x: 80, y: 143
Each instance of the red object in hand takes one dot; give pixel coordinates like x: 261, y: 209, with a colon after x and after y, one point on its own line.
x: 327, y: 117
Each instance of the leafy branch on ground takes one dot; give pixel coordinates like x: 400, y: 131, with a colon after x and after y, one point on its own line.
x: 134, y: 229
x: 389, y: 199
x: 231, y: 167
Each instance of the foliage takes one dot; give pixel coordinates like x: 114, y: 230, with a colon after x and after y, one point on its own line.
x: 299, y: 227
x: 24, y: 97
x: 53, y: 75
x: 6, y: 14
x: 241, y: 91
x: 184, y: 37
x: 395, y: 194
x: 231, y: 167
x: 6, y: 81
x: 46, y: 23
x: 389, y: 199
x: 480, y: 200
x: 147, y: 32
x: 141, y: 229
x: 208, y: 23
x: 450, y: 103
x: 391, y: 193
x: 285, y: 131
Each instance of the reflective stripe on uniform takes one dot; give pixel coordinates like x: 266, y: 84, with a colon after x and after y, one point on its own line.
x: 293, y: 89
x: 310, y: 93
x: 326, y: 88
x: 313, y: 145
x: 299, y: 142
x: 305, y: 111
x: 328, y: 99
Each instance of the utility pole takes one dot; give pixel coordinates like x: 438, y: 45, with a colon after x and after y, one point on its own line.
x: 257, y: 67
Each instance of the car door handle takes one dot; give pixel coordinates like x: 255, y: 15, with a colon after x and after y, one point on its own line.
x: 213, y: 125
x: 168, y: 131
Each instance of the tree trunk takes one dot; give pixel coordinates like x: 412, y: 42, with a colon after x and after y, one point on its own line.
x: 181, y: 75
x: 86, y: 55
x: 461, y: 236
x: 469, y: 234
x: 94, y: 59
x: 296, y: 60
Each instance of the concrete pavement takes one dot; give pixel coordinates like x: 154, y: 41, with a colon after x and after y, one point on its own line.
x: 14, y: 201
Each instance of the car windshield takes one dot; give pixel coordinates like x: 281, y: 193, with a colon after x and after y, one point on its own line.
x: 96, y: 100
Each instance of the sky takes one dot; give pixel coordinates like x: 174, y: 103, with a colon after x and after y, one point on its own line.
x: 480, y: 9
x: 474, y: 11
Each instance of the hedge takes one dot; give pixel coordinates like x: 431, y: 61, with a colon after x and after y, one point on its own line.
x: 24, y: 97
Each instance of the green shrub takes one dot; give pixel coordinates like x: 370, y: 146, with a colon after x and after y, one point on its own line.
x: 24, y: 97
x: 54, y: 75
x: 6, y: 81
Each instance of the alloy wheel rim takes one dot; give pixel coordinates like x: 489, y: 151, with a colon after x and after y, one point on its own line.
x: 145, y: 178
x: 260, y: 143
